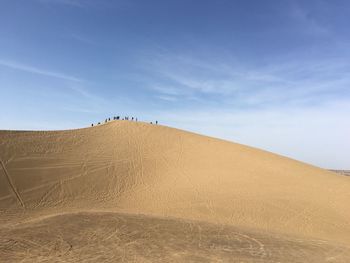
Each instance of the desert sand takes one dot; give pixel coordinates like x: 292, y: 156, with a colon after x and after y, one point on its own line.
x: 134, y: 192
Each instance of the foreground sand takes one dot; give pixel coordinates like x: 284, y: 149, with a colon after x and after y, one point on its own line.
x: 137, y: 192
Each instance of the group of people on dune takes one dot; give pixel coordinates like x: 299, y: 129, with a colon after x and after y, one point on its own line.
x: 117, y: 118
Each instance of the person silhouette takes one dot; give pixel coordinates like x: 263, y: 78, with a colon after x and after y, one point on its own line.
x: 92, y: 125
x: 156, y: 122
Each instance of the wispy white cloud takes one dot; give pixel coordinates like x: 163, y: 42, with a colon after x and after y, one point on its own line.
x: 91, y: 100
x: 84, y: 99
x: 167, y: 90
x: 82, y: 110
x: 167, y: 97
x: 83, y: 91
x: 291, y: 81
x: 35, y: 70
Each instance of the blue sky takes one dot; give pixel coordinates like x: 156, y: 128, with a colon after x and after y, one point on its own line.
x: 270, y: 74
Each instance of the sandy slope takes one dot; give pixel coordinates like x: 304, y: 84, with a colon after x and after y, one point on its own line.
x: 137, y: 168
x: 111, y: 237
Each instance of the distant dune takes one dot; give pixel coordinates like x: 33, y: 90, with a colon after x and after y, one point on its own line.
x: 342, y: 172
x: 147, y: 193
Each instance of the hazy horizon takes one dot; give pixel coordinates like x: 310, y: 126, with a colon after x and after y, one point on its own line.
x: 272, y: 74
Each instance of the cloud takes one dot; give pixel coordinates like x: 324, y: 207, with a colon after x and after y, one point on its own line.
x: 84, y: 92
x: 82, y: 110
x: 86, y: 101
x: 34, y: 70
x: 167, y: 90
x: 167, y: 98
x: 277, y: 83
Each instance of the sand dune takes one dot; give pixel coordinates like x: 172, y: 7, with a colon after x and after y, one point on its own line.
x: 168, y: 180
